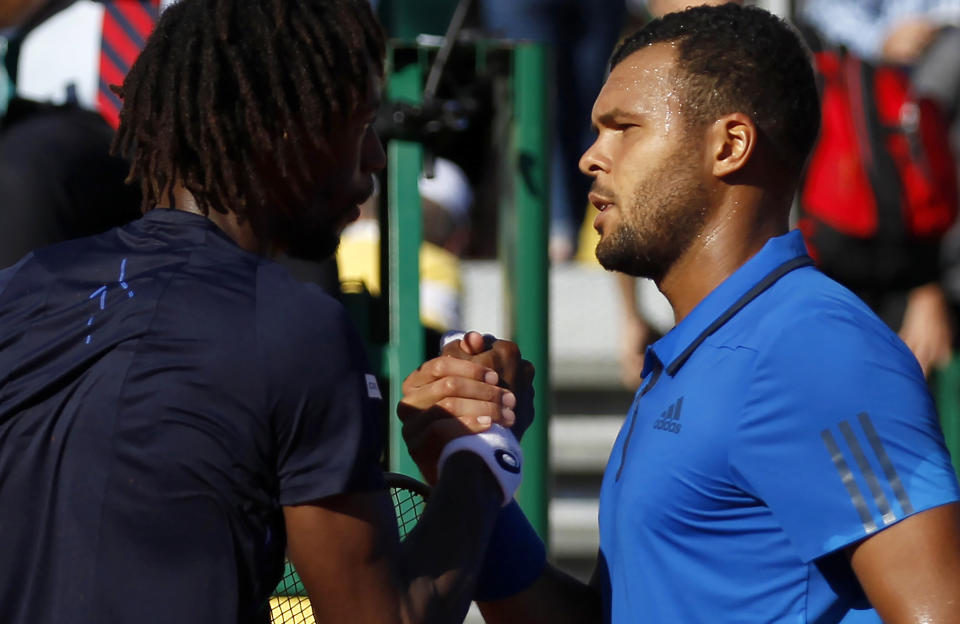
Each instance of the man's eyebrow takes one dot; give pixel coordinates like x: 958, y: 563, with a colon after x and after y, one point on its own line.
x: 615, y: 116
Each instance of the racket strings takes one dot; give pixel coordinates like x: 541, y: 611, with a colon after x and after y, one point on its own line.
x: 408, y: 506
x: 291, y: 610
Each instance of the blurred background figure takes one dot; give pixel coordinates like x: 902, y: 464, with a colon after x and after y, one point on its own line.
x: 921, y: 35
x: 581, y: 36
x: 896, y: 31
x: 57, y: 179
x: 447, y: 199
x: 909, y: 285
x: 659, y: 8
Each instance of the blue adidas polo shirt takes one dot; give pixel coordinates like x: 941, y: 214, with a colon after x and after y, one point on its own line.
x: 778, y: 423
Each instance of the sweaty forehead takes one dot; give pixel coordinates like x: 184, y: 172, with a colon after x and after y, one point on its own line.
x: 649, y: 67
x: 646, y: 79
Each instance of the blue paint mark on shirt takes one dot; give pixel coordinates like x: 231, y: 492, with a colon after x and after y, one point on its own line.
x: 101, y: 295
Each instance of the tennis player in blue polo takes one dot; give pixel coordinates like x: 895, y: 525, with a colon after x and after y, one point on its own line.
x: 782, y: 461
x: 778, y: 423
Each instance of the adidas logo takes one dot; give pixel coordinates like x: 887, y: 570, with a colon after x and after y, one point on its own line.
x: 670, y: 419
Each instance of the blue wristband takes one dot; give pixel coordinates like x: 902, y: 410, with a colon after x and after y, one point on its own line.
x: 515, y: 557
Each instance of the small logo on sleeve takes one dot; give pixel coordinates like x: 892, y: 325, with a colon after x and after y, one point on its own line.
x: 670, y: 419
x: 373, y: 389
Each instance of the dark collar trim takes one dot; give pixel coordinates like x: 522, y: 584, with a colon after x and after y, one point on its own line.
x: 749, y: 296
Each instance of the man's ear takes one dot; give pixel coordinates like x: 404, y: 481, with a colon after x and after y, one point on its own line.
x: 733, y: 140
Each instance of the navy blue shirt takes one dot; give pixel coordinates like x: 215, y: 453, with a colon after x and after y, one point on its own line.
x: 779, y: 422
x: 163, y: 394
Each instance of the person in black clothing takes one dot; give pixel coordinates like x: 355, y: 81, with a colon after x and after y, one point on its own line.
x: 176, y: 411
x: 57, y: 177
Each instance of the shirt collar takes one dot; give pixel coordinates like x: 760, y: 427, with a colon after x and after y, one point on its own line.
x: 186, y: 226
x: 779, y: 256
x: 177, y: 217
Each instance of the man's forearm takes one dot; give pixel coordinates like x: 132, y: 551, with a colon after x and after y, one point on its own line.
x: 442, y: 556
x: 555, y: 598
x: 346, y: 551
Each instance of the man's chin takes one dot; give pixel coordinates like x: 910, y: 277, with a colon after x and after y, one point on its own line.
x: 350, y: 216
x: 612, y: 258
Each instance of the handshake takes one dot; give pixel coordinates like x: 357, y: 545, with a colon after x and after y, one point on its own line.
x: 476, y: 397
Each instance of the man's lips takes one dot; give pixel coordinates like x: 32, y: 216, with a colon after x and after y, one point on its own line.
x: 601, y: 202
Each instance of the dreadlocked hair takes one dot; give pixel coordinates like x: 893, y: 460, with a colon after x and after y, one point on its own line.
x: 232, y: 99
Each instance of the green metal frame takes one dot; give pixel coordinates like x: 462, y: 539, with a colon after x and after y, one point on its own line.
x: 946, y: 387
x: 528, y: 274
x: 405, y: 350
x: 523, y: 245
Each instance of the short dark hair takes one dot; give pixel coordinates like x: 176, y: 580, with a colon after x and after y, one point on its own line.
x: 741, y: 59
x: 232, y: 98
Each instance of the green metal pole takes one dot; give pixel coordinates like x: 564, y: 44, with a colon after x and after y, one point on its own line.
x: 405, y: 348
x: 946, y: 384
x: 530, y: 274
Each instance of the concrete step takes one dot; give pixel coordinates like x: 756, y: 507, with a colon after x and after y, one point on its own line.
x: 583, y: 428
x: 573, y: 527
x: 582, y: 443
x: 579, y: 449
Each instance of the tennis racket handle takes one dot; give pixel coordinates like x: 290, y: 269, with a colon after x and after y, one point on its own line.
x: 499, y: 450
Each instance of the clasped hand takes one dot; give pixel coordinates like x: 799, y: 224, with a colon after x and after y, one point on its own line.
x: 474, y: 383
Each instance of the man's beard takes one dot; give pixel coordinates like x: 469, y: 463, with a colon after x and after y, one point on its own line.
x: 305, y: 235
x: 663, y: 216
x: 313, y: 231
x: 315, y: 245
x: 307, y: 224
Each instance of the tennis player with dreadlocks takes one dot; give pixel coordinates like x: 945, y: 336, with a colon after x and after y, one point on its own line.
x: 175, y: 410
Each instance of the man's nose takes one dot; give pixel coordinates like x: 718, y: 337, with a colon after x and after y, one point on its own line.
x: 591, y: 162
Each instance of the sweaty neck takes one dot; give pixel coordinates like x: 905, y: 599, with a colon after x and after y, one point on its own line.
x: 737, y: 229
